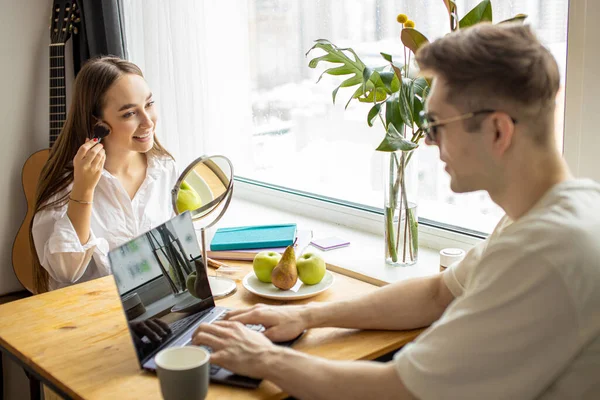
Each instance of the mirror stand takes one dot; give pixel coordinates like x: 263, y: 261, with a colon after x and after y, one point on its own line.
x: 205, y: 186
x: 220, y: 286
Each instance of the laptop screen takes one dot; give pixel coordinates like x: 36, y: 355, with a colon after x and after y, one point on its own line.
x: 151, y: 273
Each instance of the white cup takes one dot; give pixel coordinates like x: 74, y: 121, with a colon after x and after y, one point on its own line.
x: 183, y: 372
x: 450, y: 256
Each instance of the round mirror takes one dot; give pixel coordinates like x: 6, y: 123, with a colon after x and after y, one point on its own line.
x: 204, y: 187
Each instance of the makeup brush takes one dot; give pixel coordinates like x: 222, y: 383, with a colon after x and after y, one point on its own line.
x: 100, y: 131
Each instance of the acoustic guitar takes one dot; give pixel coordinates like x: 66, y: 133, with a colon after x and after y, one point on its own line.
x: 64, y: 16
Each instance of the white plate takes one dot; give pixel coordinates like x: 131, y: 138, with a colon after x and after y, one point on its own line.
x: 298, y: 292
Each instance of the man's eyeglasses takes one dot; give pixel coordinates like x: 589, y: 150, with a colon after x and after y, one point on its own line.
x: 430, y: 125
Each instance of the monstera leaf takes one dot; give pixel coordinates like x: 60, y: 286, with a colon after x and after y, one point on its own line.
x: 376, y: 84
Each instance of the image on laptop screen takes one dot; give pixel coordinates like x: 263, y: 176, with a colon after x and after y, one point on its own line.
x: 140, y: 260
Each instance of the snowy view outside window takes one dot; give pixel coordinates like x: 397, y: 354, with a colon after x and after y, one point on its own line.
x: 301, y: 141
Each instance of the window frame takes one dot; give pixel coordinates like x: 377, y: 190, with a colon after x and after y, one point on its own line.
x: 581, y: 142
x: 354, y: 216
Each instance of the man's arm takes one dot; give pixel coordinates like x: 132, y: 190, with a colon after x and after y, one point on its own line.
x: 249, y: 353
x: 308, y: 377
x: 408, y: 304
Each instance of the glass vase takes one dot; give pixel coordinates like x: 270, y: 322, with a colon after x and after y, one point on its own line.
x: 401, y: 233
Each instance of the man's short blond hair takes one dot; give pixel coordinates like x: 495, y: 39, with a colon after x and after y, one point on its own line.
x: 503, y: 67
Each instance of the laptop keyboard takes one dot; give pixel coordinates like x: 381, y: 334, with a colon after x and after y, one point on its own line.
x: 184, y: 323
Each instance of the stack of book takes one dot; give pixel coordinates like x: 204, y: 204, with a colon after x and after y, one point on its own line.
x: 243, y: 243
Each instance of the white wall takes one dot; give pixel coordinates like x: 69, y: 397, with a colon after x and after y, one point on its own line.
x: 24, y: 39
x: 582, y: 128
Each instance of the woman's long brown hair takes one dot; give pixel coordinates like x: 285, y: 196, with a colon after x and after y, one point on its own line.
x: 87, y: 105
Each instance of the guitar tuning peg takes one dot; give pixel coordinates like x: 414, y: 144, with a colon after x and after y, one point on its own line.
x: 55, y: 19
x: 75, y: 30
x: 77, y: 19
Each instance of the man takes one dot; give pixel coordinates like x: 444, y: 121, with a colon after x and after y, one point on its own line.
x: 519, y: 317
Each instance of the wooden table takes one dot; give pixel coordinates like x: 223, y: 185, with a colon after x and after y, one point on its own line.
x: 76, y: 341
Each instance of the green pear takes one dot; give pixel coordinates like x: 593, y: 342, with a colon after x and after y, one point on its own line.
x: 285, y: 274
x: 187, y: 198
x: 190, y: 283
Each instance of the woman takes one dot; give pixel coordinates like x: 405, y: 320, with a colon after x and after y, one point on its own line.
x: 95, y: 195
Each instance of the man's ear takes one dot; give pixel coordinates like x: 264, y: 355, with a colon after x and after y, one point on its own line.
x: 504, y: 130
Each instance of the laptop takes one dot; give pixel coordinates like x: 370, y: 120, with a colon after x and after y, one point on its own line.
x: 148, y: 270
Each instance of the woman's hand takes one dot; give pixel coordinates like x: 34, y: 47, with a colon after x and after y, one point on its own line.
x: 87, y: 169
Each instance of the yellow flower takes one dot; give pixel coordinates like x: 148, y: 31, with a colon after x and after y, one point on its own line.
x: 409, y: 24
x: 401, y: 18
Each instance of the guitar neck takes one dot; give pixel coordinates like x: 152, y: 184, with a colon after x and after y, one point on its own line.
x: 58, y: 94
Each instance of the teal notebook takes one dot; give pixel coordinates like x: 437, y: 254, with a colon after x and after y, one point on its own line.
x: 253, y: 237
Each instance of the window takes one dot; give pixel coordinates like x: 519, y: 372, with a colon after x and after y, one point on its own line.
x: 302, y: 141
x: 289, y: 133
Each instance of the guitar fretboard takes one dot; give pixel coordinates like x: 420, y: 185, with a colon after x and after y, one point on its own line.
x: 58, y: 93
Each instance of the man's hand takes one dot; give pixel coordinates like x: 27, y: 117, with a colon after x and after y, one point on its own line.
x: 282, y: 322
x: 235, y: 347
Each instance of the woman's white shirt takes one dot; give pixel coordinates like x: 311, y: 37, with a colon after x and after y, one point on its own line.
x: 116, y: 219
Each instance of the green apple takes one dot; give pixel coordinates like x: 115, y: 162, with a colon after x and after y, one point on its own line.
x: 187, y: 198
x: 264, y: 263
x: 190, y: 283
x: 311, y: 268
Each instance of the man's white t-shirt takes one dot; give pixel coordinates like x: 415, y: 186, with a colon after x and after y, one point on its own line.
x: 525, y: 322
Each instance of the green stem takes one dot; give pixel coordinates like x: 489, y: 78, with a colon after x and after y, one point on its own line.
x: 405, y: 237
x: 400, y: 185
x: 414, y: 229
x: 401, y: 176
x: 404, y: 199
x: 389, y: 210
x: 382, y: 121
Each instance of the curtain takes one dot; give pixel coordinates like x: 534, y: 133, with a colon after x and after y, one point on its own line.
x: 195, y: 57
x: 100, y: 33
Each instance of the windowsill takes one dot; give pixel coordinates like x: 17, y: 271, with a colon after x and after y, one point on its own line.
x: 364, y: 256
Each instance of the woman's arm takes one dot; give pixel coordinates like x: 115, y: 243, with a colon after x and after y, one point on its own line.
x: 58, y: 246
x: 87, y: 164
